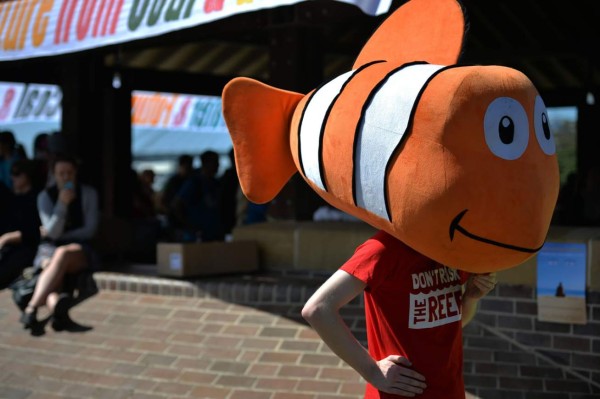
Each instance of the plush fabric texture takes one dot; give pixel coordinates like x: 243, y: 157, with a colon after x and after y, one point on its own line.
x: 507, y: 201
x: 258, y: 118
x: 457, y: 162
x: 420, y: 30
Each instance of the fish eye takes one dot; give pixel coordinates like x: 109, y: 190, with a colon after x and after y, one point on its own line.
x: 506, y: 128
x: 542, y: 127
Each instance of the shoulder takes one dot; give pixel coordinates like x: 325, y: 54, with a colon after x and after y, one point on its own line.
x: 373, y: 259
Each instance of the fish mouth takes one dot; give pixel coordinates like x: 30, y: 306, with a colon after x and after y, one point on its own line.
x: 455, y: 226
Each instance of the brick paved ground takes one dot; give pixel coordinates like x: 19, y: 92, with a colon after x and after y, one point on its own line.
x: 242, y: 337
x: 153, y: 346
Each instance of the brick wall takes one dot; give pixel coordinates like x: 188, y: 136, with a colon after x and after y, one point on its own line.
x: 508, y: 352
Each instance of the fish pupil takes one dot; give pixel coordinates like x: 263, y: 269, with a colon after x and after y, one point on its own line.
x: 545, y: 126
x: 506, y: 129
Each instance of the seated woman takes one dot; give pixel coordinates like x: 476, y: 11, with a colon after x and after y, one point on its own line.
x: 19, y: 223
x: 69, y: 215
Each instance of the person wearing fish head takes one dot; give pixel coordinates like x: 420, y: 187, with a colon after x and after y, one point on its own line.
x: 454, y: 164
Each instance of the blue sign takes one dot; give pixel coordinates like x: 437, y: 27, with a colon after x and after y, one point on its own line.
x: 561, y: 270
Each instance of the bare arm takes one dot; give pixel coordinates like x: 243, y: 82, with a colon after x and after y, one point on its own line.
x: 391, y: 374
x: 10, y: 238
x: 478, y: 286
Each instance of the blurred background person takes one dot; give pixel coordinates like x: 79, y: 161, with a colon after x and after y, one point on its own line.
x: 147, y: 177
x: 143, y: 195
x: 19, y: 223
x: 230, y: 192
x: 9, y: 153
x: 172, y: 186
x: 196, y: 205
x: 57, y: 146
x: 41, y: 158
x: 146, y: 224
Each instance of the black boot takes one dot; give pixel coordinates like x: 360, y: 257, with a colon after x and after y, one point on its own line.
x: 30, y: 321
x: 60, y: 317
x: 61, y: 321
x: 28, y: 318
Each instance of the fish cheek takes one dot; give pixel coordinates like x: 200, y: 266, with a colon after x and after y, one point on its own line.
x: 500, y: 206
x: 416, y: 188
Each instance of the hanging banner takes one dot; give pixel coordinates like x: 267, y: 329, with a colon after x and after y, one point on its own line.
x: 34, y: 28
x: 10, y: 98
x: 21, y: 103
x: 170, y: 124
x: 177, y: 112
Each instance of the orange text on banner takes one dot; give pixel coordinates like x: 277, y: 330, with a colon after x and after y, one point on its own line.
x: 95, y: 18
x: 15, y: 21
x: 152, y: 110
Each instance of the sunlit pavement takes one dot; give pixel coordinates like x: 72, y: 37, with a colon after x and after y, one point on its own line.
x: 154, y: 346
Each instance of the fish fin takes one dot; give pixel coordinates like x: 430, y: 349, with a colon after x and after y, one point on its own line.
x: 258, y: 117
x: 420, y: 30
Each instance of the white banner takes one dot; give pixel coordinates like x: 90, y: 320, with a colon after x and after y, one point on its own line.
x: 10, y: 97
x: 34, y: 28
x: 177, y: 112
x: 21, y: 103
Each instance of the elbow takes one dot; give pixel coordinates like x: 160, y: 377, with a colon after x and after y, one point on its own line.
x: 313, y: 312
x: 308, y: 312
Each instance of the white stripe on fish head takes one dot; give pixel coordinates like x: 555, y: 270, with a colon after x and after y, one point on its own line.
x: 385, y: 121
x: 312, y: 125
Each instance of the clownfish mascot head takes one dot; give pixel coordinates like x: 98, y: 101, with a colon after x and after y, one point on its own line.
x: 458, y: 162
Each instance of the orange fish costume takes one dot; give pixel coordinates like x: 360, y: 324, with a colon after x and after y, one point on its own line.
x: 458, y: 162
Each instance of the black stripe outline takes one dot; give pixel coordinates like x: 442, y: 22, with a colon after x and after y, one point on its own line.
x: 361, y: 120
x: 411, y: 118
x: 324, y: 123
x: 300, y: 129
x: 328, y: 112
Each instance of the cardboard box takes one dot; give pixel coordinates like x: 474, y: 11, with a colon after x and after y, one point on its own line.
x: 206, y: 258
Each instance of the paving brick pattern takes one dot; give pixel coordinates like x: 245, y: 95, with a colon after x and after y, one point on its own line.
x: 242, y: 337
x: 155, y: 346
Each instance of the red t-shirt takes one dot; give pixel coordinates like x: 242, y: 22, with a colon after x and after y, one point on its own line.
x: 413, y: 309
